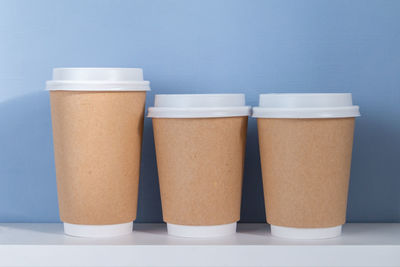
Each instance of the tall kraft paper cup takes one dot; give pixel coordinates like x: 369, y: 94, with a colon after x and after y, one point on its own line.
x: 305, y: 148
x: 200, y: 144
x: 97, y: 116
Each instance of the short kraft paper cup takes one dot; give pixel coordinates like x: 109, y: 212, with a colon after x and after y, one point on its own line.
x: 305, y: 149
x: 200, y: 144
x: 97, y: 116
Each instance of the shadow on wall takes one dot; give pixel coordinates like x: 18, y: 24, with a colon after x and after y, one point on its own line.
x: 374, y: 193
x: 149, y: 203
x: 28, y: 185
x: 253, y: 197
x: 28, y: 191
x: 27, y: 174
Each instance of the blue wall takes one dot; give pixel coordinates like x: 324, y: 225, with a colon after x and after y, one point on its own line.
x: 202, y: 47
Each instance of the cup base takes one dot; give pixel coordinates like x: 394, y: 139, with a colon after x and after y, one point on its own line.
x: 97, y: 231
x: 306, y: 233
x: 201, y: 231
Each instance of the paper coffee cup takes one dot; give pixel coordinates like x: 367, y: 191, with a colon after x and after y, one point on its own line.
x: 97, y: 116
x: 200, y: 144
x: 305, y: 149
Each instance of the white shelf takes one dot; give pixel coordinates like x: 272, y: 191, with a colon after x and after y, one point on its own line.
x: 149, y: 245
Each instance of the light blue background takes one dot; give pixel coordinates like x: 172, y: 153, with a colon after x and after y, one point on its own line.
x: 202, y: 47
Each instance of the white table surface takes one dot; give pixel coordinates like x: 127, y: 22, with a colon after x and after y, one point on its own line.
x: 149, y: 245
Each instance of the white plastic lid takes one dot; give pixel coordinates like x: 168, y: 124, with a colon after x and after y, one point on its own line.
x: 199, y: 106
x: 306, y: 106
x: 98, y: 79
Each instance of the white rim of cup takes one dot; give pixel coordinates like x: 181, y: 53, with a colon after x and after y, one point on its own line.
x: 323, y: 105
x: 199, y: 106
x: 97, y: 79
x: 205, y: 231
x: 306, y: 233
x: 97, y: 231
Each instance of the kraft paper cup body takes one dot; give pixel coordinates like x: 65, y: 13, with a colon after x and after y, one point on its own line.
x: 200, y: 145
x: 97, y: 136
x: 305, y: 149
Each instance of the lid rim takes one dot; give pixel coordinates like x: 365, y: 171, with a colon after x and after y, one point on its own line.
x: 98, y: 86
x: 95, y: 81
x: 201, y: 95
x: 198, y: 112
x: 95, y: 68
x: 199, y: 106
x: 326, y: 112
x: 100, y: 90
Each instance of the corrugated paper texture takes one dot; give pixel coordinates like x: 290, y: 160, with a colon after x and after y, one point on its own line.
x: 200, y: 168
x: 97, y: 146
x: 306, y: 169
